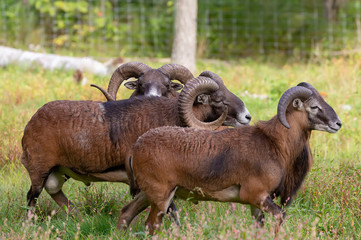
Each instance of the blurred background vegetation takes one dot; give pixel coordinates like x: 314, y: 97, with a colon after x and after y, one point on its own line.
x: 226, y: 28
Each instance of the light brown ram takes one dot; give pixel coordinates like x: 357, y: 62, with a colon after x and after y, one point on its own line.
x: 88, y: 140
x: 249, y: 165
x: 150, y: 82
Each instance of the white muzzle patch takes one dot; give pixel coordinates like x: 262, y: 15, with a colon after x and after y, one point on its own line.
x: 244, y: 117
x: 154, y: 92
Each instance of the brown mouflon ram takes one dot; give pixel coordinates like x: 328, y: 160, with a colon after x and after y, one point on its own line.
x: 88, y: 141
x: 248, y: 165
x: 150, y: 82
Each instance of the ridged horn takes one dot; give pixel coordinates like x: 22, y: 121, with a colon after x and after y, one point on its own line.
x: 124, y: 72
x: 306, y: 85
x: 292, y: 93
x: 212, y: 75
x: 176, y: 72
x: 106, y: 94
x: 187, y: 97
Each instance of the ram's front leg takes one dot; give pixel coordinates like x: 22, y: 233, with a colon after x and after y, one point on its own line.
x: 154, y: 218
x: 258, y: 215
x: 269, y: 206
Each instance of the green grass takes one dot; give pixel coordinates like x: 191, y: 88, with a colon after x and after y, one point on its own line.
x: 328, y: 205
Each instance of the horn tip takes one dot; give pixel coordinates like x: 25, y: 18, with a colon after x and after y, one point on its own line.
x: 95, y: 86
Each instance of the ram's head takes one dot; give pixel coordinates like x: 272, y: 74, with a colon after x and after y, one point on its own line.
x: 149, y: 81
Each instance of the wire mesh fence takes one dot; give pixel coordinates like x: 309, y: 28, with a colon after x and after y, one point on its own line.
x: 226, y: 28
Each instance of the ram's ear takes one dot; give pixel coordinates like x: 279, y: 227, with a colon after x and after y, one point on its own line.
x: 176, y: 86
x: 203, y: 99
x: 131, y: 85
x: 297, y: 103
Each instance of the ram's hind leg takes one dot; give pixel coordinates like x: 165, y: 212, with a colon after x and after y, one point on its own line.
x: 33, y: 195
x: 38, y: 172
x: 172, y: 210
x: 36, y: 180
x: 132, y: 209
x: 37, y: 184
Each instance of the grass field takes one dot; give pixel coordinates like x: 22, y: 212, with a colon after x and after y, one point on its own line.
x: 328, y: 205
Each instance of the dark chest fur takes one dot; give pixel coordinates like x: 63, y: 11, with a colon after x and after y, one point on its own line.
x: 294, y: 178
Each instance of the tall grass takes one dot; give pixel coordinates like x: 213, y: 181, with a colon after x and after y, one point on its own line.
x: 326, y: 207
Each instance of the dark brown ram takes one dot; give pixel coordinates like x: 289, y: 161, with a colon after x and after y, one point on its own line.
x: 249, y: 165
x: 88, y: 140
x: 150, y: 82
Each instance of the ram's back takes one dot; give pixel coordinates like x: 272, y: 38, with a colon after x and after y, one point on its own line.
x: 213, y: 160
x: 68, y: 133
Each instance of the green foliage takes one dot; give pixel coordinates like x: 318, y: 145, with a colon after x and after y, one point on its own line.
x: 134, y: 26
x: 327, y: 206
x: 255, y: 27
x: 226, y: 29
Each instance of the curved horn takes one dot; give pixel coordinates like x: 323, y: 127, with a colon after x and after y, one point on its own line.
x: 124, y: 72
x: 177, y: 72
x: 306, y: 85
x: 106, y: 94
x: 287, y: 97
x: 212, y: 75
x: 187, y: 97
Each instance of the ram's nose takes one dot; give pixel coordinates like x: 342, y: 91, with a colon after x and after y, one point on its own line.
x: 153, y: 92
x: 245, y: 117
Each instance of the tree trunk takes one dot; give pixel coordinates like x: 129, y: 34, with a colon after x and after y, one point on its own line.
x: 185, y: 39
x: 332, y: 8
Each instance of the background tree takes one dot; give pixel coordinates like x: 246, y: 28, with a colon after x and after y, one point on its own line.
x: 185, y: 38
x: 332, y: 8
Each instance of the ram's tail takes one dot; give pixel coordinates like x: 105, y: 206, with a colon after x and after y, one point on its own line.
x: 133, y: 186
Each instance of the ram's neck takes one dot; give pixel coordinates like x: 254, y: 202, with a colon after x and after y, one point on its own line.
x: 203, y: 112
x: 290, y: 142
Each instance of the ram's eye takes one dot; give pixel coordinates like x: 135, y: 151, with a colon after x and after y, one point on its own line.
x: 316, y: 107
